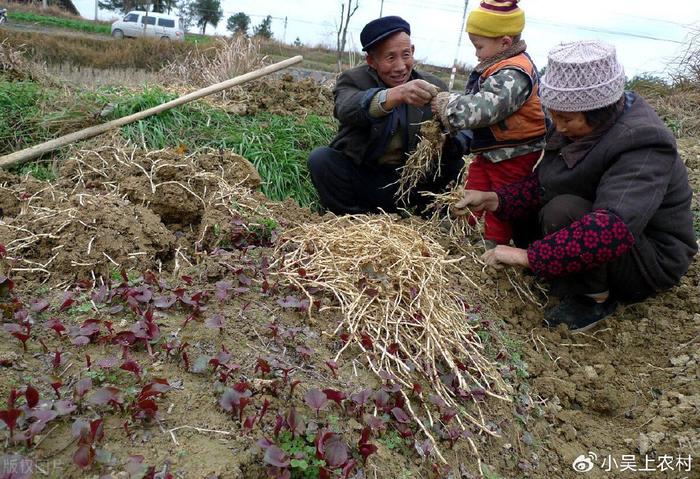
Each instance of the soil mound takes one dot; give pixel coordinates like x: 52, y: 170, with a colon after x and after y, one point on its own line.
x: 175, y: 186
x: 283, y: 96
x: 78, y: 235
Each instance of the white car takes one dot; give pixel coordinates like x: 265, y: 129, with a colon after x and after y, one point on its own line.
x: 149, y: 24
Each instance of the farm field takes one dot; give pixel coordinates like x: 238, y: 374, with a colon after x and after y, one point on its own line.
x: 175, y: 305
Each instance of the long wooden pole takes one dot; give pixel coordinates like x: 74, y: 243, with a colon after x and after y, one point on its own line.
x: 27, y: 154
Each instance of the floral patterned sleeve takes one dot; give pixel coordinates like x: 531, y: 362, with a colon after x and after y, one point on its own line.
x: 518, y: 200
x: 597, y: 238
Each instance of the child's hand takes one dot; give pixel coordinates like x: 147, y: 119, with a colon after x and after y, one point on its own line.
x: 474, y: 200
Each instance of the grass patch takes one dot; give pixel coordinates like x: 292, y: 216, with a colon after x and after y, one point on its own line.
x: 19, y: 113
x: 198, y: 38
x: 87, y: 26
x: 31, y: 113
x: 277, y: 145
x: 63, y: 19
x: 40, y: 170
x: 142, y: 53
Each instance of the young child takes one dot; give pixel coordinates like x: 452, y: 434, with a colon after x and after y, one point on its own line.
x: 501, y: 106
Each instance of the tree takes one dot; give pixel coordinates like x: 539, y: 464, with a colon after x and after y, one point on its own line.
x: 186, y: 11
x: 345, y: 14
x: 163, y: 6
x: 160, y: 6
x: 238, y: 23
x: 264, y: 30
x: 208, y: 12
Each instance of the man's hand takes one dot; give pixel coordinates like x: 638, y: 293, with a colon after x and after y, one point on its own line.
x: 502, y: 254
x: 474, y: 200
x: 414, y: 92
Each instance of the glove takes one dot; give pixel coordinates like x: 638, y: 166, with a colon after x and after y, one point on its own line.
x: 439, y: 105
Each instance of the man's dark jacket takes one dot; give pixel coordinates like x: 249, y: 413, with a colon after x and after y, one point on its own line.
x: 362, y: 138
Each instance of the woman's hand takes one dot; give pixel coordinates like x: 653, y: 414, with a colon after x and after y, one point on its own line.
x: 476, y: 201
x: 502, y: 254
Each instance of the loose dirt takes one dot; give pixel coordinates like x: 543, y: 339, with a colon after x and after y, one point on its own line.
x: 282, y: 96
x: 627, y: 389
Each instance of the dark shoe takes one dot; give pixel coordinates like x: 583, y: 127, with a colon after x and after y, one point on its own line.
x: 579, y: 313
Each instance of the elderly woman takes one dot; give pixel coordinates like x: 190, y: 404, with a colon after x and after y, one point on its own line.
x: 608, y: 206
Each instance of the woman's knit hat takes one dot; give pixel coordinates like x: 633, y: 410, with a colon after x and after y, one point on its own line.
x: 496, y: 18
x: 582, y: 76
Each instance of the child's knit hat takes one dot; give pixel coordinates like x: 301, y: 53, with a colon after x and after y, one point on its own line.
x: 582, y: 76
x: 496, y: 18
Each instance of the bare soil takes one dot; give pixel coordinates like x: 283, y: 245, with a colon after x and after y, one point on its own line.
x: 628, y: 388
x: 282, y: 96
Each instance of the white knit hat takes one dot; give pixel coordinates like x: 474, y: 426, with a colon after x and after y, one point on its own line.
x: 582, y: 76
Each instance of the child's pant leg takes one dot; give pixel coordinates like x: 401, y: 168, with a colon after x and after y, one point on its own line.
x: 477, y: 179
x: 501, y: 174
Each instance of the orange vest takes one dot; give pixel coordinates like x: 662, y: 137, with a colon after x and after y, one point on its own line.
x: 525, y: 125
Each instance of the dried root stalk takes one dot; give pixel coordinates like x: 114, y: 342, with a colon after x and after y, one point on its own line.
x: 391, y: 284
x: 443, y: 217
x: 423, y: 162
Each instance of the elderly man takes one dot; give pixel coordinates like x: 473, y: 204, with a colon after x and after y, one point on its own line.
x: 380, y: 107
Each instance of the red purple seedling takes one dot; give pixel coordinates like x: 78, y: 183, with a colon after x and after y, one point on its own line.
x: 336, y: 396
x: 132, y: 367
x: 331, y: 448
x: 333, y: 366
x: 263, y: 366
x: 107, y: 396
x: 20, y: 332
x: 9, y: 417
x: 363, y: 445
x: 234, y: 400
x: 316, y: 400
x: 217, y: 321
x: 89, y: 434
x: 360, y: 399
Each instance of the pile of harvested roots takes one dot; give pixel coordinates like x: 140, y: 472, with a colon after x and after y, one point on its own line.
x: 422, y: 163
x: 391, y: 285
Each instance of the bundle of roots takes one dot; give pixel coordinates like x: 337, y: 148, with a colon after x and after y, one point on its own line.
x: 423, y: 163
x: 391, y: 283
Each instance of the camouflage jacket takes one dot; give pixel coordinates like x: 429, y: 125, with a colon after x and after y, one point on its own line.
x: 501, y: 95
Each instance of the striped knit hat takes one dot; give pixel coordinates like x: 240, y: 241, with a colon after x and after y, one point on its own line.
x: 496, y: 18
x: 582, y: 76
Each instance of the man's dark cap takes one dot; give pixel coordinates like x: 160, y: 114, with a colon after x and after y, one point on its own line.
x: 379, y: 29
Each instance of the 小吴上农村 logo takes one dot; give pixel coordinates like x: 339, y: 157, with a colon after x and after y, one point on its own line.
x: 584, y: 463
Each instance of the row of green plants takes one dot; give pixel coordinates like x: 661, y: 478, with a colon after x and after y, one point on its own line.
x: 77, y: 23
x: 96, y: 51
x: 318, y: 58
x: 277, y: 145
x: 81, y: 25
